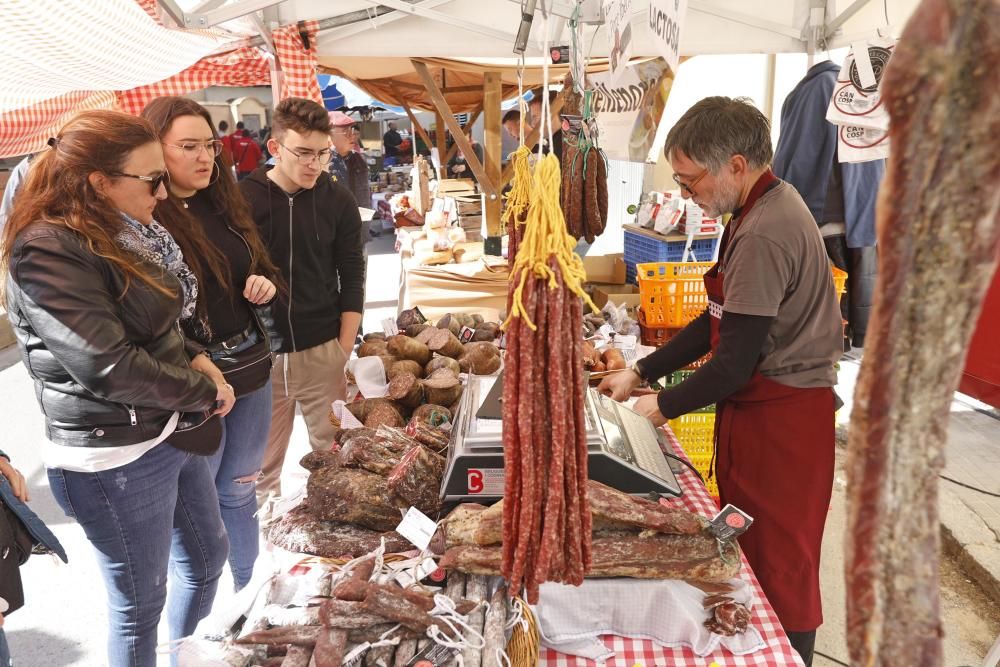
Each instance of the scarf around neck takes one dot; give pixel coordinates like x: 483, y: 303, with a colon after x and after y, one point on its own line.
x: 154, y: 244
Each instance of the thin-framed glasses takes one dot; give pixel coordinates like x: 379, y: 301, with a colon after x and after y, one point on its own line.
x: 308, y: 157
x: 192, y: 149
x: 689, y: 187
x: 154, y: 181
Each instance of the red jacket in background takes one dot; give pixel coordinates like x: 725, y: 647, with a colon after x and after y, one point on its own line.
x: 246, y: 152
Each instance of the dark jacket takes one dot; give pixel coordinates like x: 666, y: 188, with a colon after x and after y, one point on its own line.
x: 351, y: 171
x: 807, y: 151
x: 315, y: 239
x: 40, y: 533
x: 107, y: 371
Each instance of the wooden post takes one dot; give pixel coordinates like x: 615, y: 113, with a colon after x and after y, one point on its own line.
x: 441, y: 105
x: 413, y: 120
x: 442, y: 141
x: 492, y: 152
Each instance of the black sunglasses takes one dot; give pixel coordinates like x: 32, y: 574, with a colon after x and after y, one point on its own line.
x: 154, y: 181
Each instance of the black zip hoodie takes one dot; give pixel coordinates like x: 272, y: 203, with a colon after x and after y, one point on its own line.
x: 314, y: 237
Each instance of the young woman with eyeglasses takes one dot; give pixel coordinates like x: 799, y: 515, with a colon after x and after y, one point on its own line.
x: 206, y: 213
x: 94, y: 291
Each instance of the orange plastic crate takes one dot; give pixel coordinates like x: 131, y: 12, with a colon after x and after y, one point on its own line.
x: 671, y: 294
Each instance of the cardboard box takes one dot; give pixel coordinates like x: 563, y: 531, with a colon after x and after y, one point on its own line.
x: 608, y: 269
x: 616, y: 294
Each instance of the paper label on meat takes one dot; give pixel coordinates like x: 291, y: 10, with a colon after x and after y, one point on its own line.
x: 730, y: 523
x: 485, y: 481
x: 417, y: 527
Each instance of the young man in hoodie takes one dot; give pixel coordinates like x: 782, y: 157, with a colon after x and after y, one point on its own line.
x: 313, y: 230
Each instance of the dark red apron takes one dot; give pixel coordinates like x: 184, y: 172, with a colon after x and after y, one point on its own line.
x: 774, y: 448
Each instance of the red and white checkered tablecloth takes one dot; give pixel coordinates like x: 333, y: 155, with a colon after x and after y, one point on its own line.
x: 631, y: 652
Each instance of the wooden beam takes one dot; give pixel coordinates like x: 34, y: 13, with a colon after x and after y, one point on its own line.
x: 442, y: 141
x: 416, y: 124
x: 492, y: 148
x: 441, y: 104
x: 532, y: 139
x: 462, y: 89
x: 454, y: 145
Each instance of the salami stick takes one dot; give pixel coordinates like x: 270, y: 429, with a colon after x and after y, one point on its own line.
x: 493, y: 628
x: 591, y: 211
x: 525, y: 400
x: 541, y: 439
x: 404, y: 652
x: 579, y: 394
x: 330, y: 647
x: 297, y: 656
x: 602, y: 190
x: 475, y: 591
x: 939, y: 231
x: 511, y: 444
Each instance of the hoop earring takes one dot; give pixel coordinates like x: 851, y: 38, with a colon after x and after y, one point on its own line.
x: 216, y: 171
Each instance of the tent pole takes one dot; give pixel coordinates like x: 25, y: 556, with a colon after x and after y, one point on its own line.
x: 492, y: 154
x: 417, y: 127
x: 441, y: 105
x: 772, y: 65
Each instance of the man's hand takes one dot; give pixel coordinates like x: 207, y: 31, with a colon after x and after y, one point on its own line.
x: 649, y: 407
x: 619, y: 386
x: 16, y: 480
x: 259, y: 290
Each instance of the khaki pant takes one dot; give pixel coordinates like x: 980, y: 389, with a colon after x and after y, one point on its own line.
x: 312, y: 379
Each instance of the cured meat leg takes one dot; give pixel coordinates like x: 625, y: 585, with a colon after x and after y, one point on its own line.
x: 939, y: 227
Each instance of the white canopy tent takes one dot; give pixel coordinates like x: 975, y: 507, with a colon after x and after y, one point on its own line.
x: 474, y: 29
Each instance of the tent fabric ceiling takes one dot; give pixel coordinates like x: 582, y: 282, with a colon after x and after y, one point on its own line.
x: 394, y: 81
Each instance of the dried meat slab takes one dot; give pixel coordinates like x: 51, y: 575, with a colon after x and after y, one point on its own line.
x: 353, y: 496
x: 939, y: 230
x: 626, y: 554
x: 417, y: 479
x: 301, y: 532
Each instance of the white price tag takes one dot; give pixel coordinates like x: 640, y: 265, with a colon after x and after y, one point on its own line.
x: 347, y: 420
x: 405, y: 577
x: 623, y: 342
x: 417, y: 527
x: 389, y: 327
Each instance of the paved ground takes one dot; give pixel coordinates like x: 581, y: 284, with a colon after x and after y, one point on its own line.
x: 63, y: 623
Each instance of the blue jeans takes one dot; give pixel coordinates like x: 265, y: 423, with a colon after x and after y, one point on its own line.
x: 4, y: 650
x: 236, y: 467
x: 153, y: 519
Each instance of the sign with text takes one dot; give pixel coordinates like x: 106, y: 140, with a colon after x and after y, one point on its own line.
x: 629, y: 111
x: 665, y: 20
x: 617, y: 24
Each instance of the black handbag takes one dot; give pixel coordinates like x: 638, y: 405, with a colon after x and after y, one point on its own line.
x: 248, y: 370
x: 197, y: 432
x: 15, y: 547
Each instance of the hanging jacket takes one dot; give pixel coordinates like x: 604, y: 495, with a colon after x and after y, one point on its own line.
x: 807, y: 153
x: 314, y: 237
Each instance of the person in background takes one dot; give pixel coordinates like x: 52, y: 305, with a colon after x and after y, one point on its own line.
x: 773, y: 327
x: 207, y: 215
x: 14, y: 508
x: 840, y: 195
x: 458, y: 166
x: 512, y: 124
x: 535, y: 111
x: 312, y: 228
x: 246, y: 153
x: 227, y: 147
x: 348, y: 166
x: 391, y: 141
x: 17, y: 176
x: 94, y: 291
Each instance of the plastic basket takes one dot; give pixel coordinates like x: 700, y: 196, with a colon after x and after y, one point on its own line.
x: 839, y: 280
x: 642, y: 249
x: 654, y: 335
x: 676, y: 378
x: 696, y: 433
x: 672, y: 293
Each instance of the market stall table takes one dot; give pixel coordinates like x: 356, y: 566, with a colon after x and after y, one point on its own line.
x: 479, y: 287
x: 630, y: 652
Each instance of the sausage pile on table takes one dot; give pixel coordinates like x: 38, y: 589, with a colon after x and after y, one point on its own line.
x: 939, y: 231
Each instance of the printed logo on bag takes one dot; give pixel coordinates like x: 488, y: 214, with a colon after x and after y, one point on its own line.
x: 879, y: 58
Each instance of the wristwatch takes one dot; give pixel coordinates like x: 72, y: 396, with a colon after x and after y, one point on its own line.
x: 636, y: 368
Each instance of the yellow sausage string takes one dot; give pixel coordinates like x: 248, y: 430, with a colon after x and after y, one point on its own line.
x: 545, y: 239
x: 519, y: 196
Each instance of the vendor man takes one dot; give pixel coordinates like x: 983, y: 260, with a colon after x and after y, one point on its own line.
x: 774, y: 328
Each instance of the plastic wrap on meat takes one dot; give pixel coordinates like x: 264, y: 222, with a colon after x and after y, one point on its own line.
x: 300, y: 531
x: 417, y: 479
x: 353, y: 496
x: 369, y: 453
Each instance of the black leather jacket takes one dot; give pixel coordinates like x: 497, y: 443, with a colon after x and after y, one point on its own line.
x: 108, y: 371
